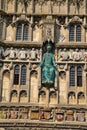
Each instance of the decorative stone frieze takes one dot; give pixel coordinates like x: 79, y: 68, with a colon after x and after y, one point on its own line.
x: 72, y: 55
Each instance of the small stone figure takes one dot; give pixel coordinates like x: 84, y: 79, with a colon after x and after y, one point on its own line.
x: 51, y: 116
x: 76, y: 55
x: 33, y: 54
x: 42, y: 116
x: 48, y: 66
x: 63, y: 55
x: 12, y: 53
x: 25, y: 4
x: 22, y: 54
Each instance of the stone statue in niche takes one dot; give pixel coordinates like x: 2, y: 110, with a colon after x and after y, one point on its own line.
x: 63, y: 55
x: 50, y: 7
x: 22, y: 54
x: 25, y: 5
x: 33, y: 55
x: 48, y: 65
x: 12, y: 53
x: 76, y: 55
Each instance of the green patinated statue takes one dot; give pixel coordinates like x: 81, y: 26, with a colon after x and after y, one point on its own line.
x: 48, y: 66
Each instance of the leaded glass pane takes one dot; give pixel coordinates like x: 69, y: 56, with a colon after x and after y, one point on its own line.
x: 72, y: 76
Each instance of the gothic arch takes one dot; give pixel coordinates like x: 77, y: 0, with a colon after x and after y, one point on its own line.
x: 5, y: 86
x: 52, y: 97
x: 71, y: 97
x: 23, y: 98
x: 42, y: 96
x: 33, y: 86
x: 81, y: 98
x: 14, y: 96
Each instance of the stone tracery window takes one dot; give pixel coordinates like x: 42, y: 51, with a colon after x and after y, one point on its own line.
x: 25, y: 32
x: 16, y: 74
x: 72, y: 76
x: 22, y: 31
x: 75, y: 32
x: 20, y: 76
x: 23, y: 75
x: 76, y: 76
x: 79, y: 76
x: 19, y: 32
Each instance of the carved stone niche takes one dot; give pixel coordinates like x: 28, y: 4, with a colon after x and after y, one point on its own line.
x: 48, y: 29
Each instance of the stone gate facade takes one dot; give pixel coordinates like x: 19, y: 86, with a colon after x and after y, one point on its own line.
x: 25, y: 28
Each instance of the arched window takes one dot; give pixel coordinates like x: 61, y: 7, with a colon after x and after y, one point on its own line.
x: 23, y: 75
x: 19, y: 31
x: 72, y: 76
x: 76, y: 76
x: 71, y: 33
x: 79, y: 76
x: 78, y: 33
x: 22, y: 31
x: 16, y: 75
x: 25, y: 32
x: 75, y: 33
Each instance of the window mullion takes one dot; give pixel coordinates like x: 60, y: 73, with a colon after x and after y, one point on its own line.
x: 20, y: 77
x: 75, y: 33
x: 22, y: 32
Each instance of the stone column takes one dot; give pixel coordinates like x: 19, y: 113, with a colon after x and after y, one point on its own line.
x: 39, y: 71
x: 33, y: 8
x: 31, y: 29
x: 11, y: 83
x: 84, y: 84
x: 5, y: 4
x: 67, y: 85
x: 67, y: 6
x: 56, y: 79
x: 84, y: 31
x: 28, y: 81
x: 1, y: 79
x: 85, y: 6
x: 47, y: 97
x: 39, y: 78
x: 4, y: 30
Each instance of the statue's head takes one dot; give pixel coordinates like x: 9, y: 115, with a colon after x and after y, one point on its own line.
x: 48, y: 47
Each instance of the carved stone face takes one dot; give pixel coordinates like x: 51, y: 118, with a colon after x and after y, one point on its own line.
x: 48, y: 48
